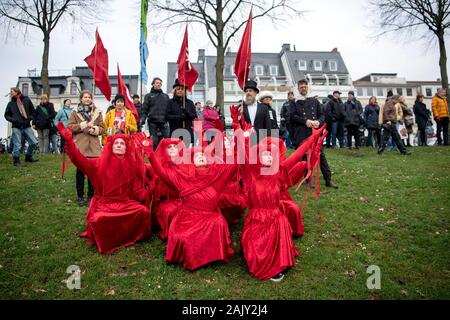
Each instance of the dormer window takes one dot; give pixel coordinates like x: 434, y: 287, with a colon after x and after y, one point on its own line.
x: 333, y: 65
x: 317, y: 65
x: 259, y: 70
x: 274, y: 70
x: 302, y: 65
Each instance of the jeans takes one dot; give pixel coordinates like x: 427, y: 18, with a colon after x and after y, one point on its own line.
x: 17, y: 135
x: 43, y: 137
x: 54, y: 143
x: 373, y: 134
x: 337, y: 132
x: 163, y: 128
x: 442, y: 126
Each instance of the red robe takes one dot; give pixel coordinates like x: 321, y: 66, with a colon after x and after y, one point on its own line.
x: 117, y: 216
x: 198, y: 234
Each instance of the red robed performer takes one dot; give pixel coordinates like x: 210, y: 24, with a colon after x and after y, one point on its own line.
x: 123, y: 89
x: 97, y: 61
x: 118, y: 214
x: 187, y: 75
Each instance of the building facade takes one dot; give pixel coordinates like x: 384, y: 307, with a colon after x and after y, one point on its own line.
x: 275, y: 72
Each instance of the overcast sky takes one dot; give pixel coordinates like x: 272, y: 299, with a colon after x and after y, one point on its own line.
x: 327, y: 24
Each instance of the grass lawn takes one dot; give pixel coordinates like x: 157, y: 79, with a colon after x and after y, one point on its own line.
x: 391, y: 211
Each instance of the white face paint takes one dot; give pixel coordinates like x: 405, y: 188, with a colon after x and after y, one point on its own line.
x: 119, y: 147
x: 266, y: 158
x: 199, y: 159
x: 172, y: 150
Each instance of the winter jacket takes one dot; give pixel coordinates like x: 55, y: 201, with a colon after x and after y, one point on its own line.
x: 422, y: 114
x: 88, y: 144
x: 273, y: 118
x: 45, y: 113
x: 140, y: 111
x: 63, y: 115
x: 154, y: 108
x: 178, y: 116
x: 284, y: 113
x: 353, y: 113
x: 390, y: 111
x: 334, y: 110
x: 304, y: 110
x: 440, y: 107
x: 12, y: 113
x: 209, y: 117
x: 371, y: 114
x: 109, y: 130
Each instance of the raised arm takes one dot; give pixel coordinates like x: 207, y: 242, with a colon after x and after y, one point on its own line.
x: 303, y: 148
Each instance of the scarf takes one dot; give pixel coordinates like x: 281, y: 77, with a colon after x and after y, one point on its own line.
x: 21, y: 107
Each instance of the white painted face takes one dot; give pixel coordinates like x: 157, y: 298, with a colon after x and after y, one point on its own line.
x: 172, y: 150
x: 266, y: 158
x: 199, y: 159
x: 119, y: 147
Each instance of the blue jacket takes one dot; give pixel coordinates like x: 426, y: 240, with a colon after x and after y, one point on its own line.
x: 63, y: 115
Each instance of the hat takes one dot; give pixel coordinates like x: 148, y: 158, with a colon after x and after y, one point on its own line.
x: 177, y: 84
x: 351, y: 92
x: 265, y: 94
x: 337, y: 91
x: 250, y: 84
x: 390, y: 93
x: 119, y: 96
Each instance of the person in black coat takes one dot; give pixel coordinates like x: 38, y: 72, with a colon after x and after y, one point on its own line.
x: 20, y: 112
x: 255, y: 113
x: 265, y: 98
x: 371, y: 115
x: 353, y: 115
x: 422, y: 116
x: 181, y: 113
x: 285, y: 122
x: 45, y: 113
x: 335, y: 117
x: 306, y: 115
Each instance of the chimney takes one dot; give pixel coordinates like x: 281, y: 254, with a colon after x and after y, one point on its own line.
x: 201, y: 55
x: 335, y: 50
x: 286, y: 47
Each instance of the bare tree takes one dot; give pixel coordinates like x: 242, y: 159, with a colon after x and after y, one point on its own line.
x: 45, y: 15
x: 222, y: 20
x: 423, y: 18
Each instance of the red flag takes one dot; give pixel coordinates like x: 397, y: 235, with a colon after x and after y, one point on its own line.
x: 187, y: 74
x: 97, y: 61
x: 244, y: 54
x: 123, y: 89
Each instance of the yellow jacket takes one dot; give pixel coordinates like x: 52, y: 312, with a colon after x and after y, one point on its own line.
x: 130, y: 124
x: 440, y: 107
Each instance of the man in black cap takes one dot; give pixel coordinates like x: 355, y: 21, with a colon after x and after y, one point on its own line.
x: 154, y: 110
x: 181, y: 112
x: 335, y: 117
x: 306, y: 115
x: 255, y: 113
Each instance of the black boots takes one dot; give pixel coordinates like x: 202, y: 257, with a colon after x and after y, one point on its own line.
x: 30, y: 159
x: 16, y: 162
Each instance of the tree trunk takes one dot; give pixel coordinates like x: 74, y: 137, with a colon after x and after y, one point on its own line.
x: 443, y: 64
x: 44, y: 69
x: 220, y: 98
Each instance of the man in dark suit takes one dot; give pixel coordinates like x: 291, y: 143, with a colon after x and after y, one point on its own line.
x: 255, y: 113
x: 306, y: 115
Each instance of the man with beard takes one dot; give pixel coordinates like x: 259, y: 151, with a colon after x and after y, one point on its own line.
x: 154, y: 110
x: 306, y: 115
x: 255, y: 113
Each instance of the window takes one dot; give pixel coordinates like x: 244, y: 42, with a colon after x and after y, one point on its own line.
x: 359, y: 91
x: 333, y: 65
x: 317, y: 65
x: 73, y: 89
x: 369, y: 92
x: 380, y: 92
x: 259, y: 70
x: 302, y: 65
x: 25, y: 87
x: 428, y: 91
x: 273, y: 70
x: 232, y: 69
x: 409, y: 92
x: 54, y: 91
x: 400, y: 91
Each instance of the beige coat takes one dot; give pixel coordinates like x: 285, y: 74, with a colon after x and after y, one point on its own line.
x: 88, y: 144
